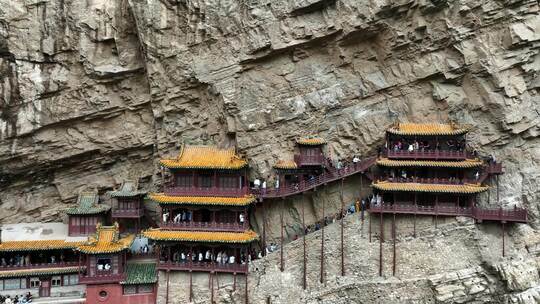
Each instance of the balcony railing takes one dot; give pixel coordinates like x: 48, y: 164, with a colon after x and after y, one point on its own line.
x: 427, y: 154
x: 101, y: 278
x: 206, y: 191
x: 130, y: 213
x: 206, y: 226
x: 422, y: 180
x: 203, y: 266
x: 309, y: 160
x: 479, y: 213
x: 39, y: 265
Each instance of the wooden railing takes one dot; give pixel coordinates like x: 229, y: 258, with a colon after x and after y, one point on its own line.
x: 101, y: 278
x: 39, y: 266
x: 202, y: 226
x: 427, y: 154
x: 204, y: 191
x: 453, y: 181
x: 203, y: 266
x: 479, y: 213
x: 127, y: 213
x: 309, y: 160
x: 332, y: 174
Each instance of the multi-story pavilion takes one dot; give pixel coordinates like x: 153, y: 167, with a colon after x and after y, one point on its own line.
x: 204, y: 212
x: 84, y: 217
x: 128, y: 208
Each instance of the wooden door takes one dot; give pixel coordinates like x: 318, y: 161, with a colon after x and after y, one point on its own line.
x: 45, y: 287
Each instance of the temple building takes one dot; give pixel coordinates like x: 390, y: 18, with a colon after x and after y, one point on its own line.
x: 308, y: 161
x: 427, y: 169
x: 107, y: 273
x: 204, y: 223
x: 127, y: 206
x: 84, y: 217
x: 39, y: 258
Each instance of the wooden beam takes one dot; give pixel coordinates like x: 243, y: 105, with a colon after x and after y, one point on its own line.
x: 381, y: 239
x: 264, y: 228
x: 282, y: 267
x: 304, y: 285
x: 503, y: 249
x: 369, y: 228
x: 322, y: 246
x: 394, y: 245
x: 167, y: 288
x: 342, y: 231
x: 190, y: 286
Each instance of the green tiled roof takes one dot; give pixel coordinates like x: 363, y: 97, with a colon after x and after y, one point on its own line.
x: 87, y: 203
x: 140, y: 273
x: 129, y: 188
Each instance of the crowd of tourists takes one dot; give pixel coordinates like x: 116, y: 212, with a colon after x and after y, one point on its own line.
x: 26, y: 260
x: 22, y: 299
x: 424, y: 145
x: 220, y: 258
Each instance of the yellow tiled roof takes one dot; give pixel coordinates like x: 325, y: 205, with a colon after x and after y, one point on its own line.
x: 201, y: 236
x: 37, y: 245
x: 433, y: 188
x: 106, y: 240
x: 427, y: 129
x: 162, y: 198
x: 311, y: 141
x: 468, y: 163
x: 205, y: 157
x: 285, y: 164
x: 38, y: 272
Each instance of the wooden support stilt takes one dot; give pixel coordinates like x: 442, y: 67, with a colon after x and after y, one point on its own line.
x: 497, y: 184
x: 167, y: 289
x: 436, y: 209
x: 211, y: 280
x: 264, y: 230
x: 282, y: 267
x: 190, y: 286
x: 369, y: 228
x: 234, y: 282
x: 342, y: 231
x: 304, y: 243
x: 394, y: 245
x: 246, y: 295
x: 503, y: 249
x: 322, y: 246
x: 415, y: 208
x: 381, y: 239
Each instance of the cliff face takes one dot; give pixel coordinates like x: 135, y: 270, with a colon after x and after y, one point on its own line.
x: 94, y: 91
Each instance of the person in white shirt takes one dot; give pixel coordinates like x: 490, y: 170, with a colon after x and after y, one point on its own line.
x: 257, y: 183
x: 355, y: 159
x: 231, y: 259
x: 411, y: 148
x: 277, y: 183
x: 241, y: 218
x: 165, y: 217
x: 207, y: 255
x: 107, y: 266
x: 200, y: 257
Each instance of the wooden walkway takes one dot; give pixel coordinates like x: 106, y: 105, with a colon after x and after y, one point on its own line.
x: 478, y: 213
x: 330, y: 175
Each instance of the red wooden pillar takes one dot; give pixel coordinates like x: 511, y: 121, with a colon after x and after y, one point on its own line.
x: 370, y: 226
x: 282, y: 267
x: 211, y: 282
x: 415, y: 209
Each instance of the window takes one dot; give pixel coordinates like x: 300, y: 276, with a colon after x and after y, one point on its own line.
x: 130, y: 289
x: 56, y: 281
x: 34, y: 282
x: 184, y: 180
x: 205, y: 181
x: 72, y: 279
x: 135, y: 289
x: 146, y: 288
x: 228, y: 181
x: 104, y: 264
x: 13, y: 284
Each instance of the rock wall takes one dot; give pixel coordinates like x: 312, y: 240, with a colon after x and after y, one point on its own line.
x: 92, y: 92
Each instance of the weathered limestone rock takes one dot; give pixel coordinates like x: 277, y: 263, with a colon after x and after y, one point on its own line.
x: 93, y: 92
